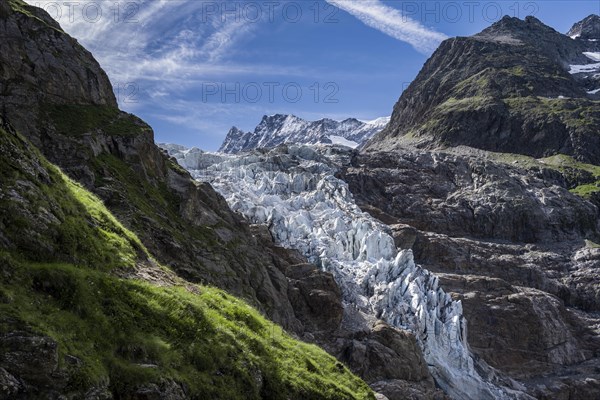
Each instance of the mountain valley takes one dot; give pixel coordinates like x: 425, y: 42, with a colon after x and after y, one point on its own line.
x: 450, y: 251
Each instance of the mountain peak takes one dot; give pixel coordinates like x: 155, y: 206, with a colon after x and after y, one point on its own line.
x: 277, y: 129
x: 513, y: 30
x: 235, y: 129
x: 586, y: 29
x: 486, y: 91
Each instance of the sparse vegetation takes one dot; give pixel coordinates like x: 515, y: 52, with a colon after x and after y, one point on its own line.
x: 22, y: 7
x: 572, y: 112
x: 565, y: 164
x: 135, y: 333
x: 586, y: 191
x: 469, y: 103
x: 76, y: 120
x: 592, y: 245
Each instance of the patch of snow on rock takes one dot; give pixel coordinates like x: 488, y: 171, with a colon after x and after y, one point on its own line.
x: 577, y: 69
x: 340, y: 140
x: 594, y: 56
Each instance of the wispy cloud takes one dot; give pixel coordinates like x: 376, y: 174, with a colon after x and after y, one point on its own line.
x: 155, y: 40
x: 161, y: 55
x: 393, y: 23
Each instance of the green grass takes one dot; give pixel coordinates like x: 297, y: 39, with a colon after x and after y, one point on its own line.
x: 23, y: 8
x: 468, y: 103
x: 562, y: 162
x: 476, y: 85
x: 76, y: 120
x: 586, y: 191
x: 592, y: 245
x: 566, y: 165
x: 46, y: 214
x: 574, y: 113
x: 56, y: 279
x: 516, y: 71
x: 215, y: 344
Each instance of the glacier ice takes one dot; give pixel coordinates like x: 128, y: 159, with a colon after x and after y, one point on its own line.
x: 294, y: 191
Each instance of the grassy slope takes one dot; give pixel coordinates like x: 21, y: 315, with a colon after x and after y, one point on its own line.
x: 75, y: 120
x: 567, y: 165
x: 22, y: 7
x: 56, y: 279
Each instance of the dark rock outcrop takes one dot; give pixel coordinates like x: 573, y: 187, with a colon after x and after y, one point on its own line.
x: 503, y: 231
x: 473, y: 197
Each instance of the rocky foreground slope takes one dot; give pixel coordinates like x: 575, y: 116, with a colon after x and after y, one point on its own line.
x: 87, y: 313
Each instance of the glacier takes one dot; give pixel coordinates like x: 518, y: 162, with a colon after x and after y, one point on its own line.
x: 293, y: 190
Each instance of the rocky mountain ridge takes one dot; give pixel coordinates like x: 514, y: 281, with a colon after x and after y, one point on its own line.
x: 277, y: 129
x: 517, y: 87
x: 587, y: 29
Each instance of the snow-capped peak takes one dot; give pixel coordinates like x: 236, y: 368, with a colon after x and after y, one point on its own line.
x: 277, y: 129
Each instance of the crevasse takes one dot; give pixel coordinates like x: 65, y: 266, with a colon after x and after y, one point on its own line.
x: 294, y: 191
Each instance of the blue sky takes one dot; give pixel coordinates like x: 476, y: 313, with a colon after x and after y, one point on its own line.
x: 194, y: 68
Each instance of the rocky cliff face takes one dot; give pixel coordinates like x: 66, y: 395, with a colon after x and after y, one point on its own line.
x: 512, y: 233
x: 517, y: 87
x: 32, y: 76
x: 588, y: 29
x: 507, y: 239
x: 279, y: 129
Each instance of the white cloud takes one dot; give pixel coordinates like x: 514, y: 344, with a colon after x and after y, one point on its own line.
x: 154, y: 40
x: 158, y: 57
x: 391, y: 22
